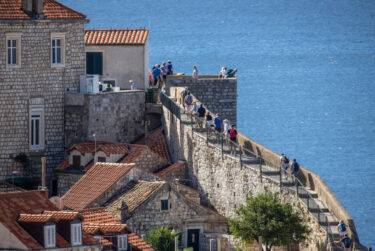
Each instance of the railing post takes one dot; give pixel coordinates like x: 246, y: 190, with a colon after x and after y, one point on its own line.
x: 240, y: 148
x: 207, y: 126
x: 222, y: 147
x: 260, y: 169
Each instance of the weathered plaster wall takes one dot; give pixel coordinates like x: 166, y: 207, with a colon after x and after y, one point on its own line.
x: 115, y: 116
x: 37, y: 80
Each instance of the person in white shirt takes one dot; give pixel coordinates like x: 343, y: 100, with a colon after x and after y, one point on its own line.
x: 284, y: 161
x: 133, y: 86
x: 195, y: 72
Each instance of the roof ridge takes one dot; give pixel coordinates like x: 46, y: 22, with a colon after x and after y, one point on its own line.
x: 64, y: 6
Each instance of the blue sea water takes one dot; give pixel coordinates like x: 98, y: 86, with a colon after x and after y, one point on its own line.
x: 305, y: 80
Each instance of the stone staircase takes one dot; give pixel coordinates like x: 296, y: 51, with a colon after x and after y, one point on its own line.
x: 308, y: 197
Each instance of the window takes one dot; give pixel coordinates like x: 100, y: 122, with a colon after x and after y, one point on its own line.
x: 50, y: 236
x: 13, y: 49
x: 94, y: 63
x: 164, y: 205
x: 58, y: 49
x: 122, y: 242
x: 37, y: 128
x: 102, y: 159
x: 76, y: 162
x: 76, y: 234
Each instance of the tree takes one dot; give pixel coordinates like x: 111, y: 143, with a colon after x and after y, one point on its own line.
x: 161, y: 239
x: 265, y: 215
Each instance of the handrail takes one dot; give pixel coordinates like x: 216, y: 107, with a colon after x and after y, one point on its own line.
x: 269, y: 162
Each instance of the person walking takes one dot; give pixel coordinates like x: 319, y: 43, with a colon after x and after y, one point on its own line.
x: 156, y: 74
x: 209, y: 122
x: 233, y: 139
x: 188, y: 101
x: 284, y: 162
x: 170, y: 68
x: 222, y: 72
x: 226, y: 130
x: 342, y: 229
x: 218, y: 125
x: 201, y: 113
x: 195, y: 72
x: 183, y: 94
x: 164, y: 72
x: 133, y: 86
x: 294, y: 168
x: 346, y: 243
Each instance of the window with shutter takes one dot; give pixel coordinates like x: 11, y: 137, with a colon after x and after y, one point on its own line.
x: 57, y: 49
x: 49, y: 236
x: 164, y: 205
x: 122, y: 242
x: 102, y: 159
x: 76, y: 234
x: 76, y: 162
x: 94, y: 63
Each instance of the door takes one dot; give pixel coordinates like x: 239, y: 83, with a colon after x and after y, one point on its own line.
x: 193, y: 239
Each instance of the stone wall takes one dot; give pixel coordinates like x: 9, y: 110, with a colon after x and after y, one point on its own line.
x: 66, y: 181
x: 113, y: 116
x: 149, y: 161
x: 223, y: 184
x: 36, y: 82
x: 217, y: 94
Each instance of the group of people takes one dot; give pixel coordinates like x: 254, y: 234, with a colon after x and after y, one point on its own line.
x: 284, y: 162
x: 205, y: 117
x: 227, y: 73
x: 159, y: 74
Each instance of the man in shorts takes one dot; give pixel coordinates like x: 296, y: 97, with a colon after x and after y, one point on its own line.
x: 201, y: 114
x: 233, y: 139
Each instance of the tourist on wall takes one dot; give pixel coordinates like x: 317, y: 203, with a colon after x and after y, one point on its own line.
x: 226, y: 130
x: 346, y: 242
x: 230, y: 73
x: 295, y: 168
x: 218, y: 125
x: 164, y: 72
x: 156, y: 74
x: 183, y: 94
x: 188, y: 102
x: 209, y: 122
x: 170, y: 68
x: 284, y: 162
x: 222, y: 72
x: 195, y: 108
x: 133, y: 86
x: 233, y: 139
x: 201, y: 113
x: 342, y: 229
x: 195, y: 72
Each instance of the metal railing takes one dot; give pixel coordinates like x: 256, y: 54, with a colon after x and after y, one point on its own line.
x: 250, y: 159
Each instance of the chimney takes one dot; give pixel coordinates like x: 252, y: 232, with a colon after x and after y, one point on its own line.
x: 43, y: 173
x: 27, y: 5
x: 124, y: 212
x: 38, y: 8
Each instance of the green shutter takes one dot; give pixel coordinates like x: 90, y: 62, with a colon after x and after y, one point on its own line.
x: 94, y: 63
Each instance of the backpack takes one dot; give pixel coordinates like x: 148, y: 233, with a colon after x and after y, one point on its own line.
x: 286, y: 160
x: 232, y: 133
x: 189, y: 99
x: 347, y: 242
x: 342, y: 227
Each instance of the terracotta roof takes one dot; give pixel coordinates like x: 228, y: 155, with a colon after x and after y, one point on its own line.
x: 63, y: 165
x: 135, y: 151
x: 97, y: 216
x: 137, y: 242
x: 170, y: 169
x: 157, y: 143
x: 12, y: 9
x: 63, y: 215
x: 134, y: 194
x: 110, y: 227
x: 36, y: 218
x: 94, y: 183
x: 116, y: 37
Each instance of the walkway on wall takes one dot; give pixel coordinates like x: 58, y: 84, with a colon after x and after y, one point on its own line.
x: 266, y: 170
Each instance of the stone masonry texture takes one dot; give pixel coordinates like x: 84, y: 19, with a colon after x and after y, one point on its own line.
x: 37, y: 79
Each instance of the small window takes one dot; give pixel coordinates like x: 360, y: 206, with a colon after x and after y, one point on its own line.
x: 37, y: 128
x: 122, y: 242
x: 164, y: 205
x: 76, y: 234
x: 102, y: 159
x: 94, y: 63
x: 13, y: 50
x: 76, y: 162
x: 57, y: 49
x: 50, y: 236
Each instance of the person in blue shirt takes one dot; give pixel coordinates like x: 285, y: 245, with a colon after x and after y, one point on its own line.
x: 218, y: 125
x: 133, y: 86
x: 170, y: 68
x: 295, y: 168
x: 156, y: 74
x: 230, y: 73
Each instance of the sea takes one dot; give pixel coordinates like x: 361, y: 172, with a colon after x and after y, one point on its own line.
x: 306, y: 76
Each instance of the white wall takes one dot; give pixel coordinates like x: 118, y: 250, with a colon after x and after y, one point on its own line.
x: 124, y: 62
x: 9, y: 240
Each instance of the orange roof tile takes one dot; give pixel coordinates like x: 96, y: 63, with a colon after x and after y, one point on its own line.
x: 36, y: 218
x: 63, y: 215
x: 106, y: 242
x: 116, y: 37
x: 137, y: 242
x: 97, y: 216
x: 12, y: 9
x: 63, y: 165
x: 94, y: 183
x: 134, y: 194
x: 92, y: 229
x: 170, y: 169
x: 157, y: 143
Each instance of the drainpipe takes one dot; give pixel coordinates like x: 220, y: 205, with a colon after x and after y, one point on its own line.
x: 43, y: 159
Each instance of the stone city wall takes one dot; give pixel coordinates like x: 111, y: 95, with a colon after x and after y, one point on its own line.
x: 112, y: 116
x: 223, y: 184
x: 36, y: 82
x: 217, y: 94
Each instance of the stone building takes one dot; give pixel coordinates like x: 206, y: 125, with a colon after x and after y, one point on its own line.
x: 42, y: 54
x: 118, y: 56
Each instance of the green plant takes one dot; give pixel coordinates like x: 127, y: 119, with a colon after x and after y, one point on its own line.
x: 265, y: 215
x: 22, y: 158
x: 161, y: 239
x: 188, y: 249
